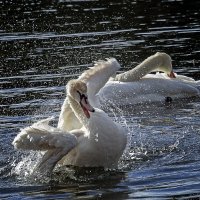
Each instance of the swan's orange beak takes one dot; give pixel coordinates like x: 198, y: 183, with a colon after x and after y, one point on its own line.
x: 172, y: 75
x: 86, y: 106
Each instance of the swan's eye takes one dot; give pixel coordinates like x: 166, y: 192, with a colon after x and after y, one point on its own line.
x: 81, y: 95
x: 86, y: 99
x: 78, y: 92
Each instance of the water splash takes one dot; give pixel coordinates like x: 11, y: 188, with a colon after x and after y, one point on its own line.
x: 119, y: 116
x: 24, y: 166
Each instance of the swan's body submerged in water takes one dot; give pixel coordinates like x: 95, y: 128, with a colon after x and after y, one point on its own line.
x: 147, y: 90
x: 137, y: 86
x: 99, y: 142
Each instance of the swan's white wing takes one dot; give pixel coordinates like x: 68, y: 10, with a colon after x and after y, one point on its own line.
x: 40, y: 136
x: 32, y: 138
x: 97, y: 76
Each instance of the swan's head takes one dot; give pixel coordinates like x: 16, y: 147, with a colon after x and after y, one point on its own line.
x: 166, y: 64
x: 78, y: 91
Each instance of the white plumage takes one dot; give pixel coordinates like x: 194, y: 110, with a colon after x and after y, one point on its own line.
x: 146, y: 90
x: 95, y: 78
x: 99, y: 142
x: 137, y: 86
x: 87, y: 136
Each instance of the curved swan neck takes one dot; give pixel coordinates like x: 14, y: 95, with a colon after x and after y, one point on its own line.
x: 156, y: 62
x: 67, y: 119
x: 65, y: 111
x: 78, y: 111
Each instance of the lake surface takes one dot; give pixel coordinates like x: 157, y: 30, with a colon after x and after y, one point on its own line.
x: 46, y: 43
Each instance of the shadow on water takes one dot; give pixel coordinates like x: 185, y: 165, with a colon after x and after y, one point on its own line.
x: 46, y: 43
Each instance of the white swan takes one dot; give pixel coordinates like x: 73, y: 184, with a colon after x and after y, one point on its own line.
x: 138, y: 86
x: 100, y: 141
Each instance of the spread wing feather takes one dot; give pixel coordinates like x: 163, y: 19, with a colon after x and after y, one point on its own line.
x: 98, y: 75
x: 42, y: 137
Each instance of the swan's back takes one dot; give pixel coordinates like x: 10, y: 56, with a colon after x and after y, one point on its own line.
x: 146, y: 90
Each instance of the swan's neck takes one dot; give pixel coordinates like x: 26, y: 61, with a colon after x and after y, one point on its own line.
x: 156, y: 62
x: 78, y: 111
x: 64, y: 114
x: 67, y: 119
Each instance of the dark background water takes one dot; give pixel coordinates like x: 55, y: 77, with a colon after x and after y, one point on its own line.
x: 46, y: 43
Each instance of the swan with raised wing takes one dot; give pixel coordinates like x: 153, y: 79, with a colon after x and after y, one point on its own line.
x: 100, y: 142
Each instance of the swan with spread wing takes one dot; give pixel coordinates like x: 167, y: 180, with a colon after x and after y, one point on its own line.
x: 99, y: 142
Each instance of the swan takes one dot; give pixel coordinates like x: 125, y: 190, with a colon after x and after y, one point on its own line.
x: 137, y: 86
x: 100, y: 142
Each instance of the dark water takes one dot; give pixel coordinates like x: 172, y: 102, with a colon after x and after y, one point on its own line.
x: 46, y: 43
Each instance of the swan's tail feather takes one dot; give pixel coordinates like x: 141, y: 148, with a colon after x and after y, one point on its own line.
x: 40, y: 138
